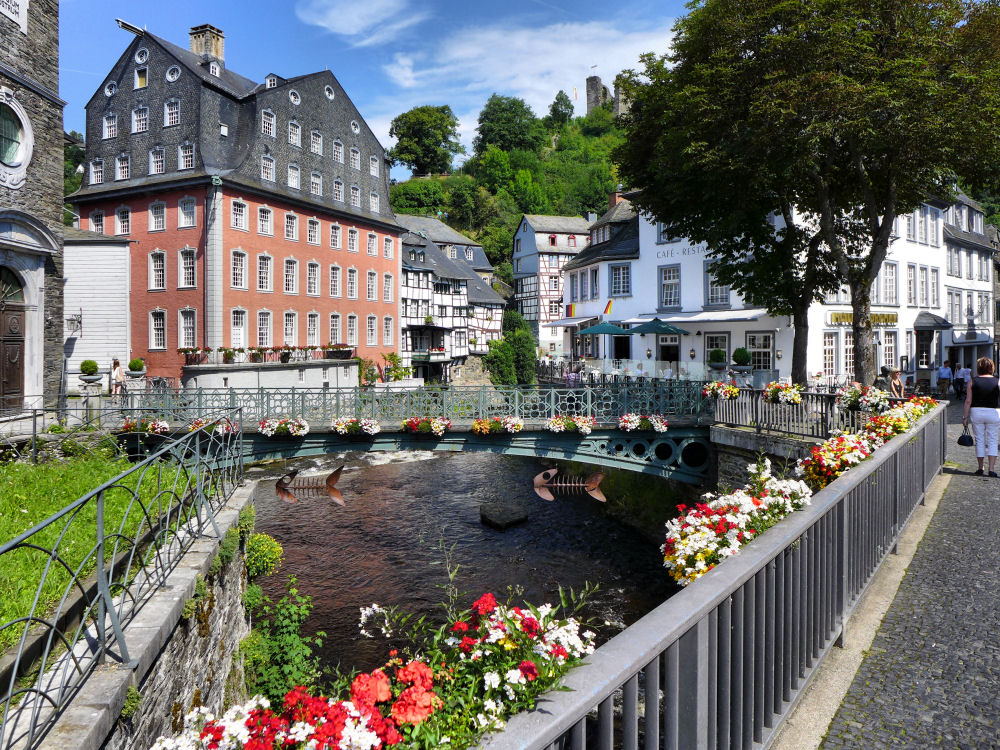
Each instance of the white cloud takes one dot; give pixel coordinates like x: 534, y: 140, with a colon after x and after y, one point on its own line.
x: 365, y: 23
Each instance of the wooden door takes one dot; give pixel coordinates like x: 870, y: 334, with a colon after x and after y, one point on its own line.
x: 11, y: 341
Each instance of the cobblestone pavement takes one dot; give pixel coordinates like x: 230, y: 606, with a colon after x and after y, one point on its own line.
x: 932, y: 676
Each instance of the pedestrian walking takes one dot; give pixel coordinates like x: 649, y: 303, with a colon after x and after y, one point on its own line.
x: 944, y: 378
x: 961, y: 382
x: 982, y: 409
x: 117, y: 378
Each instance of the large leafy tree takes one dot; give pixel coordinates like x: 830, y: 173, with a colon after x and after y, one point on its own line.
x: 509, y: 124
x: 561, y: 109
x: 426, y: 139
x: 847, y: 112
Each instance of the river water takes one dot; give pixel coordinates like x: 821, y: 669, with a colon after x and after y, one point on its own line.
x: 384, y: 545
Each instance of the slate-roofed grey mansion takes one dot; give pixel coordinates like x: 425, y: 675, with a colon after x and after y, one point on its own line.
x: 259, y: 212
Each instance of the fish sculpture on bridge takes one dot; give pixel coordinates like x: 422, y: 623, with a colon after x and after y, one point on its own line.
x: 309, y: 487
x: 546, y: 482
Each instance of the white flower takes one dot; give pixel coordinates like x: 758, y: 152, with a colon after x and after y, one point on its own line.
x: 492, y: 680
x: 514, y: 677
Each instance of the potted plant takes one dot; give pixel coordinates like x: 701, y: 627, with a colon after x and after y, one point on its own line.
x: 256, y: 353
x: 228, y: 355
x: 88, y: 371
x: 428, y: 320
x: 741, y: 360
x: 136, y: 368
x: 717, y: 359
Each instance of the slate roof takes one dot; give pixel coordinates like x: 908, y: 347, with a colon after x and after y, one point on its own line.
x: 622, y: 245
x: 558, y: 224
x: 443, y: 234
x: 227, y: 80
x: 962, y: 197
x: 435, y: 259
x: 622, y: 211
x: 74, y: 235
x: 951, y: 232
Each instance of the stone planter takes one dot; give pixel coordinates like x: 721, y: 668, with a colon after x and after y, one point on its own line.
x: 743, y: 368
x: 134, y: 374
x: 91, y: 378
x: 717, y: 365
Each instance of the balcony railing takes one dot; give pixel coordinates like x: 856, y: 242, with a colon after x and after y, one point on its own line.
x: 430, y: 355
x: 265, y: 355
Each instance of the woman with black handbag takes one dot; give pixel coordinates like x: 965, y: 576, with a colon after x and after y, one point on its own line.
x: 982, y: 408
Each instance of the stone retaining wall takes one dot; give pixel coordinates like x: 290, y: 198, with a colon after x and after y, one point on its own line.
x: 181, y: 661
x: 735, y: 448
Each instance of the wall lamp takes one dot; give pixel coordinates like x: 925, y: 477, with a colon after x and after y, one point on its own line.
x: 691, y: 353
x: 778, y: 353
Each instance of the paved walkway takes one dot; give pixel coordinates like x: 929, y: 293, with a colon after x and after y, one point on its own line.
x: 932, y: 675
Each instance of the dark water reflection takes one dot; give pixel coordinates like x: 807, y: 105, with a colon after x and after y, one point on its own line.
x: 383, y: 546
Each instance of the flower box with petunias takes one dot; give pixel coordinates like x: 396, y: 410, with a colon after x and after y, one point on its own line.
x: 783, y: 393
x: 632, y: 422
x: 223, y: 425
x: 357, y: 427
x: 437, y: 426
x: 293, y: 426
x: 720, y: 389
x: 497, y: 426
x: 867, y: 398
x: 142, y: 424
x: 583, y: 425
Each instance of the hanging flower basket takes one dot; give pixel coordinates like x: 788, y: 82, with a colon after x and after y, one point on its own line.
x: 428, y: 426
x: 363, y: 429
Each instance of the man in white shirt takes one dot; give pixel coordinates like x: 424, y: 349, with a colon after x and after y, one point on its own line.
x: 962, y: 378
x: 944, y: 378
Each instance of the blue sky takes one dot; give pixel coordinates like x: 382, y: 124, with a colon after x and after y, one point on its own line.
x: 390, y: 55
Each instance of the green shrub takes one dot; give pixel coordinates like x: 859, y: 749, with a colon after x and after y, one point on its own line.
x: 523, y: 347
x: 263, y: 555
x: 717, y: 355
x: 88, y: 367
x: 248, y: 517
x: 70, y: 447
x: 56, y: 428
x: 227, y: 551
x: 741, y: 356
x: 499, y: 361
x: 513, y: 321
x: 253, y: 597
x: 136, y: 365
x: 276, y: 656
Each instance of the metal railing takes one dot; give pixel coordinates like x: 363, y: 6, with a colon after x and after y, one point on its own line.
x: 816, y: 417
x: 463, y: 403
x: 724, y: 660
x: 86, y: 570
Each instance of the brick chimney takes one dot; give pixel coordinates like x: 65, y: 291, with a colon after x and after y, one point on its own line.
x: 208, y: 40
x: 615, y: 198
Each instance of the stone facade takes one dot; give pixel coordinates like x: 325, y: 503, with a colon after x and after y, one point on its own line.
x: 31, y: 235
x: 735, y: 449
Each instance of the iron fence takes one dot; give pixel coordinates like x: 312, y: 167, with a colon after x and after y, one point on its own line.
x: 459, y: 403
x: 817, y: 416
x: 722, y: 662
x: 73, y: 581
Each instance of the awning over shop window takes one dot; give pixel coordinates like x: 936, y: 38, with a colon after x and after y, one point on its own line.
x: 564, y: 322
x: 706, y: 316
x: 926, y: 321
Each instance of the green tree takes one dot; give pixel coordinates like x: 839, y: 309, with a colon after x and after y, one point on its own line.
x: 561, y: 109
x: 493, y: 169
x: 418, y: 196
x: 528, y: 194
x: 499, y: 361
x: 513, y: 321
x: 508, y: 123
x: 853, y: 112
x: 522, y: 344
x: 73, y: 156
x: 426, y: 139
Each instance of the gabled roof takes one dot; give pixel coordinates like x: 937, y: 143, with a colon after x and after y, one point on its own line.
x: 76, y: 236
x: 227, y: 80
x: 620, y: 212
x: 623, y: 244
x: 433, y: 229
x: 434, y: 259
x: 558, y: 224
x: 963, y: 198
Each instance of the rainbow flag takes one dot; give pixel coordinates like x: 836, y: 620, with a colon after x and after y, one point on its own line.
x: 607, y: 310
x: 571, y: 311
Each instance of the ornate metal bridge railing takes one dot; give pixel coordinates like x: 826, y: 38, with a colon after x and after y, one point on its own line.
x: 73, y: 581
x: 816, y: 417
x: 722, y: 662
x: 459, y: 403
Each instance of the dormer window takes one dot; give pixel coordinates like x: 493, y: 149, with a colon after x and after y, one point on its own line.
x: 213, y: 69
x: 552, y: 240
x: 270, y: 82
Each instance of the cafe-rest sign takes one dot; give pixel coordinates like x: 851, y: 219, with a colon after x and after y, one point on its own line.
x: 16, y: 11
x: 878, y: 319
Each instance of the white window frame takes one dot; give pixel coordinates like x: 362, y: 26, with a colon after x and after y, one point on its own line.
x: 316, y: 142
x: 157, y: 160
x: 335, y: 281
x: 186, y: 280
x: 372, y: 246
x: 290, y: 281
x: 123, y: 220
x: 238, y: 215
x: 373, y: 166
x: 157, y: 219
x: 265, y: 221
x: 290, y: 338
x: 352, y: 240
x: 123, y: 167
x: 158, y: 314
x: 352, y: 283
x: 294, y: 177
x: 265, y: 332
x: 312, y: 329
x: 294, y: 134
x: 140, y: 120
x: 387, y: 287
x: 181, y: 212
x: 268, y: 123
x: 157, y: 268
x: 315, y: 183
x: 338, y: 191
x: 355, y: 196
x: 312, y: 279
x: 387, y: 331
x: 238, y: 270
x: 336, y: 236
x: 387, y: 245
x: 97, y: 222
x: 291, y: 227
x: 338, y: 151
x: 265, y: 270
x: 352, y: 330
x: 267, y: 168
x: 312, y: 231
x: 171, y: 111
x: 238, y: 328
x: 183, y: 337
x: 373, y: 202
x: 185, y: 156
x: 371, y: 286
x: 336, y: 332
x: 110, y: 128
x: 97, y: 172
x: 371, y: 331
x: 355, y: 159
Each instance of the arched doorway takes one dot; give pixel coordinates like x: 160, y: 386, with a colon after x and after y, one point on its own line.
x: 11, y: 340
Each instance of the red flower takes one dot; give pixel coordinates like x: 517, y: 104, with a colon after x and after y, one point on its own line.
x: 557, y: 651
x: 369, y: 689
x: 484, y: 605
x: 417, y: 673
x: 467, y: 644
x: 528, y: 670
x: 460, y: 626
x: 530, y: 626
x: 414, y: 705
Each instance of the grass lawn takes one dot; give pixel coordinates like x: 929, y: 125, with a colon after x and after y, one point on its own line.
x: 31, y: 493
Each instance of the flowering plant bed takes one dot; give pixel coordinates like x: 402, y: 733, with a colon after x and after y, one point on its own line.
x: 583, y: 425
x: 867, y: 398
x: 720, y: 389
x: 631, y: 422
x: 294, y: 426
x: 457, y: 681
x: 352, y: 426
x: 497, y: 425
x: 151, y: 426
x: 783, y: 393
x: 706, y: 534
x: 218, y: 425
x: 427, y: 425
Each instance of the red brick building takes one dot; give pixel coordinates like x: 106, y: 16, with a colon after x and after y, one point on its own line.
x: 259, y: 213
